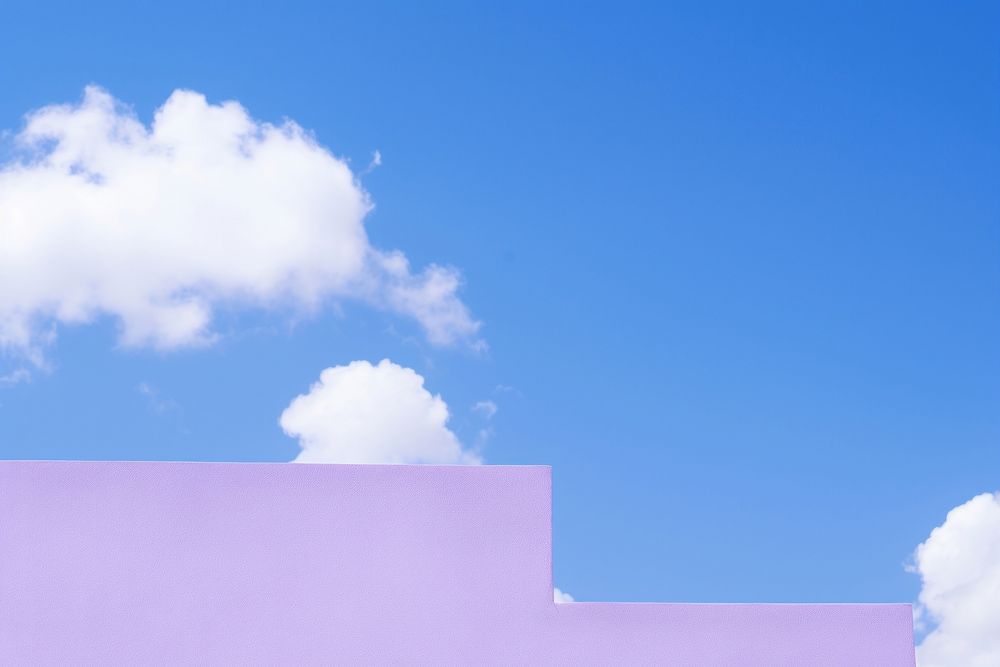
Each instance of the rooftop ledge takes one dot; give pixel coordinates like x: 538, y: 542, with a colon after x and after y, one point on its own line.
x: 222, y: 563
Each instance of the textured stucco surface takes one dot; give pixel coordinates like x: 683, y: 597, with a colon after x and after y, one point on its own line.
x: 195, y: 563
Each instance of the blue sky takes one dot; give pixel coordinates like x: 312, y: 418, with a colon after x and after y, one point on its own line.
x: 737, y: 268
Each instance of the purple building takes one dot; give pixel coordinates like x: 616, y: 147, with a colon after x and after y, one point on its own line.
x: 202, y: 563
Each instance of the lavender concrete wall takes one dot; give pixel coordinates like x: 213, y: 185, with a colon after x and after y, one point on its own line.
x: 194, y: 563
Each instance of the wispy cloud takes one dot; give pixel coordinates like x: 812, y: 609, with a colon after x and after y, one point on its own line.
x: 375, y: 163
x: 14, y: 377
x: 486, y: 408
x: 156, y: 402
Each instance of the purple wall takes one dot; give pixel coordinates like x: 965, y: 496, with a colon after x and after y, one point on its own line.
x: 289, y: 564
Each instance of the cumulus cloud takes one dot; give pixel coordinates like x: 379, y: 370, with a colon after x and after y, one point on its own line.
x: 560, y: 597
x: 160, y: 226
x: 360, y: 413
x: 959, y: 566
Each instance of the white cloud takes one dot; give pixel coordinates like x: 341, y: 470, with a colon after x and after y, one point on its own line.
x: 376, y: 162
x: 16, y: 376
x: 362, y: 413
x: 160, y: 226
x: 560, y: 597
x: 486, y: 408
x: 959, y: 565
x: 157, y: 403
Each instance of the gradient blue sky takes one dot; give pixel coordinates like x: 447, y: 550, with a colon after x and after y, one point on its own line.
x: 738, y: 267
